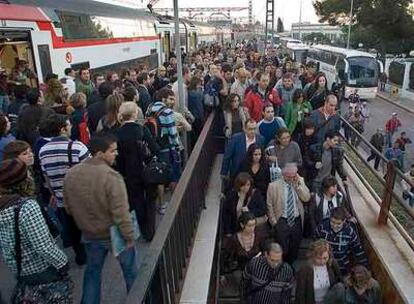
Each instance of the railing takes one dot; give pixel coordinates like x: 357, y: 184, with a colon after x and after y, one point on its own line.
x: 385, y: 189
x: 160, y: 277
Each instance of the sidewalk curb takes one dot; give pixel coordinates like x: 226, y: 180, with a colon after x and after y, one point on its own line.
x: 389, y: 100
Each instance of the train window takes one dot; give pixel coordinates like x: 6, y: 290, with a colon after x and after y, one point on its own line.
x: 411, y: 79
x: 80, y: 26
x: 396, y: 73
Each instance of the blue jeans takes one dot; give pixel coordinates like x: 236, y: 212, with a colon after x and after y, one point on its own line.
x: 96, y: 251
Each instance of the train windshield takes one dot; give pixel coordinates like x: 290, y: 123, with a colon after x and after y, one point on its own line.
x: 363, y: 72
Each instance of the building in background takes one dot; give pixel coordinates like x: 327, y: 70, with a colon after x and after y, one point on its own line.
x: 300, y: 30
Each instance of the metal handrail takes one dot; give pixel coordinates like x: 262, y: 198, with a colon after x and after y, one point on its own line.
x: 377, y: 198
x: 160, y: 277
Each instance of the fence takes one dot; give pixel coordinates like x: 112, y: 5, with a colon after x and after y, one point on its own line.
x: 160, y: 277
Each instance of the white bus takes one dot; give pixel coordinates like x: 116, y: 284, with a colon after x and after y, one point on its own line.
x: 297, y: 52
x: 350, y: 68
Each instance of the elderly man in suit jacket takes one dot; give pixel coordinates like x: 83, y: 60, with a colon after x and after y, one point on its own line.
x: 237, y: 147
x: 285, y: 198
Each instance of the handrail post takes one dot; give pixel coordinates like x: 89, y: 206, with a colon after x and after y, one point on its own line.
x: 387, y: 196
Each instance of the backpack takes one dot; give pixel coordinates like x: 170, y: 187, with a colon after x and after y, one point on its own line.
x: 84, y: 134
x: 152, y: 122
x: 211, y: 98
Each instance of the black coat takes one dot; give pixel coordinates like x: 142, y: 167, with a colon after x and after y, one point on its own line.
x: 255, y: 203
x: 96, y: 111
x: 304, y: 283
x: 261, y: 179
x: 130, y: 154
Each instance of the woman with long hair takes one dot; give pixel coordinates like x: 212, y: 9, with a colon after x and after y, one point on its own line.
x: 318, y: 91
x: 242, y: 198
x: 110, y: 121
x: 234, y: 115
x: 255, y: 164
x: 296, y: 112
x: 5, y: 135
x: 318, y: 275
x: 360, y: 287
x: 245, y: 244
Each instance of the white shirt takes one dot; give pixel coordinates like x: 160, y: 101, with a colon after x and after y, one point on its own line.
x: 325, y: 206
x: 249, y: 142
x: 70, y: 85
x: 321, y: 283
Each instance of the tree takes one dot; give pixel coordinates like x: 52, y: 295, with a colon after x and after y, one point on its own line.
x: 386, y: 25
x: 280, y: 28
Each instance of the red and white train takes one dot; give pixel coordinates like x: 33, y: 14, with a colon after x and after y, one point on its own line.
x: 53, y: 35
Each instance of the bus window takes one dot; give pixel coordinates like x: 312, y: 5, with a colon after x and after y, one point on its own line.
x: 363, y: 71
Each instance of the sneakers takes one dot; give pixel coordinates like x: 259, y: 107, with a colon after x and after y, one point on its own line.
x: 162, y: 208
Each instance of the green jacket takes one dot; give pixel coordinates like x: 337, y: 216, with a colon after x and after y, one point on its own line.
x: 86, y: 88
x: 296, y: 113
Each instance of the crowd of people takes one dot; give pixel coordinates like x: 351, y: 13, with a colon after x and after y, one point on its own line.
x: 89, y: 154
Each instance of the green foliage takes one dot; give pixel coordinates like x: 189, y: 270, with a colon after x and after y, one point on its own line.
x: 386, y: 25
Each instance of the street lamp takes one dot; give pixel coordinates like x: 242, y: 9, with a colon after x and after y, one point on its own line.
x: 350, y: 23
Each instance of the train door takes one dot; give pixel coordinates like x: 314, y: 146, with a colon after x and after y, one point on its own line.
x: 16, y: 45
x: 167, y: 45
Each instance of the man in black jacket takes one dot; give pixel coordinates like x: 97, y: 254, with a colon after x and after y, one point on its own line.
x: 329, y: 158
x: 378, y: 141
x: 30, y: 117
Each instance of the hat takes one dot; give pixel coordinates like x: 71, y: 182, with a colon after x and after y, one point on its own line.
x: 394, y: 114
x: 290, y: 170
x: 12, y: 172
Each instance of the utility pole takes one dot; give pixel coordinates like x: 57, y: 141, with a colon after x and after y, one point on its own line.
x: 300, y: 20
x: 250, y: 12
x: 270, y: 21
x: 350, y: 24
x: 180, y: 80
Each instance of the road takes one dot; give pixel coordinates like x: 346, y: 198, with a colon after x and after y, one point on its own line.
x: 380, y: 112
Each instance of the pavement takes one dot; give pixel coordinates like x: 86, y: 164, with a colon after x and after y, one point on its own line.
x: 381, y: 109
x: 403, y: 103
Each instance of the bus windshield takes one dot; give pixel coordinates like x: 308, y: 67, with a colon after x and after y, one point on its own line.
x: 363, y: 72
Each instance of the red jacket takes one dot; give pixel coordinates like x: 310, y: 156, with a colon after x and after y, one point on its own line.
x: 392, y: 125
x: 255, y: 102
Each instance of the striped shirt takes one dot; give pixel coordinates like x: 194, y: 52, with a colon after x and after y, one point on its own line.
x: 256, y: 286
x: 166, y: 123
x: 54, y: 161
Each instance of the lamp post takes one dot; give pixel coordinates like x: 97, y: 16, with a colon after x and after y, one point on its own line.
x: 350, y: 23
x: 180, y: 80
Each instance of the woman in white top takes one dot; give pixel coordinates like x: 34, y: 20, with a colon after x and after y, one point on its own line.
x: 318, y: 275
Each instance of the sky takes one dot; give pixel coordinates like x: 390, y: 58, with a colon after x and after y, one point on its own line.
x: 288, y: 11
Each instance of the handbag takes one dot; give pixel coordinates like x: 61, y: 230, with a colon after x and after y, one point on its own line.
x: 157, y: 172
